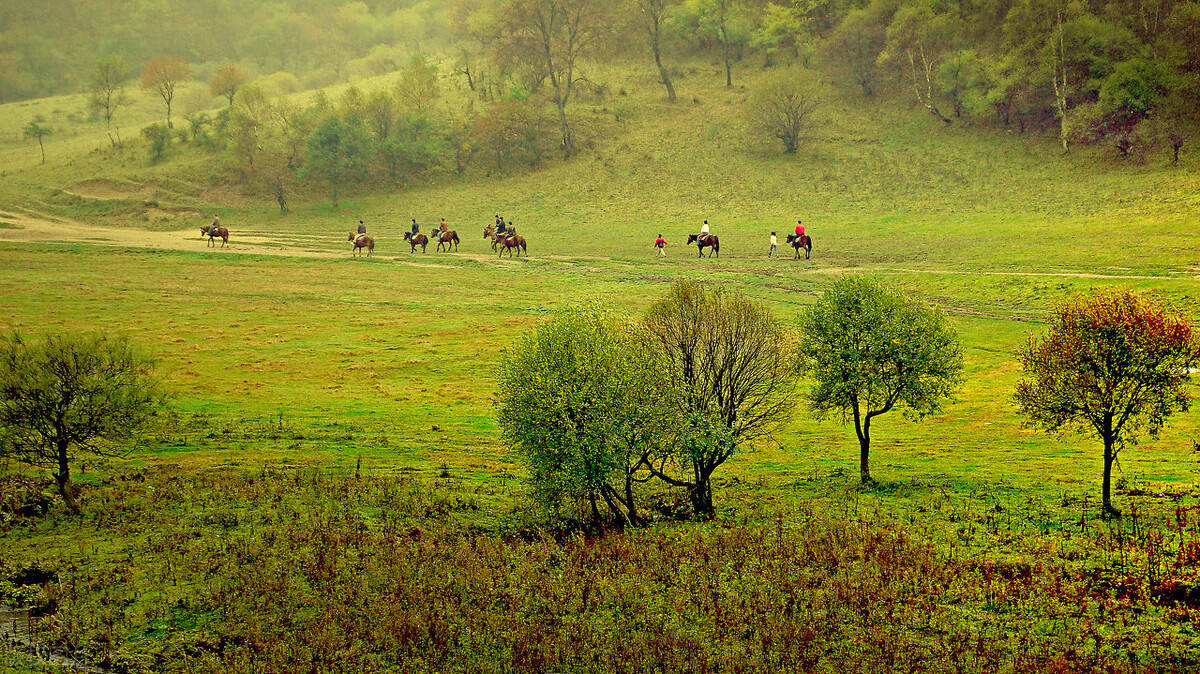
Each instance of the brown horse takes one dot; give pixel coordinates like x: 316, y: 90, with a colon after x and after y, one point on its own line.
x: 215, y: 232
x: 704, y: 241
x: 496, y: 236
x: 447, y: 239
x: 802, y: 241
x: 361, y: 241
x: 514, y: 241
x: 418, y: 240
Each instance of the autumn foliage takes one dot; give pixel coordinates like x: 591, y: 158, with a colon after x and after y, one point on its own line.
x: 1113, y: 365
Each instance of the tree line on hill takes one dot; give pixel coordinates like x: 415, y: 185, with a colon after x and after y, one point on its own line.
x: 1120, y: 71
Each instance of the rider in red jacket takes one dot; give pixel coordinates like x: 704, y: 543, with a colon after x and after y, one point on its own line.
x: 799, y: 229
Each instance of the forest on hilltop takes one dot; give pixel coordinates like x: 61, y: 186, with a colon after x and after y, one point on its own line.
x: 1125, y: 74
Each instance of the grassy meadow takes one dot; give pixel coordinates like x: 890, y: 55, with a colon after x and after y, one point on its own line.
x: 308, y: 367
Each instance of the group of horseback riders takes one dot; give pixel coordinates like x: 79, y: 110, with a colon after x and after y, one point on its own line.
x: 705, y: 239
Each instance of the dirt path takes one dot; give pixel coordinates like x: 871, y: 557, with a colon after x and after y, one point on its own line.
x: 28, y: 228
x: 37, y: 227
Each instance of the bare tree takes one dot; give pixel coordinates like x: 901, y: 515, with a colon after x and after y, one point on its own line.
x: 728, y: 359
x: 227, y: 80
x: 781, y: 104
x: 556, y: 35
x: 653, y: 14
x: 106, y: 91
x: 162, y: 75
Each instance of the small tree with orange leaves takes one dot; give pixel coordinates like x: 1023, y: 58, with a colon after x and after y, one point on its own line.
x: 1113, y: 365
x: 162, y: 75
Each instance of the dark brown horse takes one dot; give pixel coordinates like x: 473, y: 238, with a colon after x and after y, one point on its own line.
x: 362, y: 241
x: 418, y: 240
x: 511, y: 242
x: 447, y: 239
x: 703, y: 241
x: 802, y: 241
x: 215, y: 232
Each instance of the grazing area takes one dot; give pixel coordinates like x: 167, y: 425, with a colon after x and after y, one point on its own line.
x: 505, y: 455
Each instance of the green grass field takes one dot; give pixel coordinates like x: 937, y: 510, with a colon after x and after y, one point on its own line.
x: 311, y: 359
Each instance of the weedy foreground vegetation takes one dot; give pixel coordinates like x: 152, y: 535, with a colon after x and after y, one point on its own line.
x: 331, y: 491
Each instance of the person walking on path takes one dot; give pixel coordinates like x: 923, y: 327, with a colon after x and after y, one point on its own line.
x: 774, y: 247
x: 661, y: 244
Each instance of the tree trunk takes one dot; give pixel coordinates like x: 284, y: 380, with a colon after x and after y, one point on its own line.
x: 662, y: 72
x: 863, y: 430
x: 701, y: 497
x: 566, y: 131
x: 63, y: 479
x: 1109, y: 455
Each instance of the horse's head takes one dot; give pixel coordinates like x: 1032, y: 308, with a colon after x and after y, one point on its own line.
x: 352, y: 235
x: 407, y: 236
x: 691, y: 239
x: 204, y: 230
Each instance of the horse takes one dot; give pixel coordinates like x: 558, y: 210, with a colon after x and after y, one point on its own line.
x: 497, y: 236
x: 361, y: 241
x: 802, y: 241
x: 211, y: 232
x: 447, y: 239
x: 514, y: 241
x: 703, y: 241
x: 418, y: 240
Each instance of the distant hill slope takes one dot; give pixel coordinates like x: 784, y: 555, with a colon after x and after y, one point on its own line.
x: 875, y: 185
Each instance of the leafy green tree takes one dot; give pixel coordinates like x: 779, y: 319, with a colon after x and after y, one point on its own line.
x: 413, y: 147
x: 509, y: 133
x: 67, y: 395
x: 106, y: 91
x: 581, y: 402
x: 335, y: 153
x: 857, y: 41
x: 162, y: 75
x: 961, y: 78
x: 727, y: 24
x: 418, y: 86
x: 158, y: 137
x: 1175, y: 121
x: 37, y: 132
x: 380, y: 114
x: 727, y: 359
x: 782, y: 103
x: 1112, y: 365
x: 871, y: 349
x: 919, y: 38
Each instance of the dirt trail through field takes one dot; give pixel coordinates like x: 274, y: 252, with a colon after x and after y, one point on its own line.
x: 30, y: 227
x: 26, y: 227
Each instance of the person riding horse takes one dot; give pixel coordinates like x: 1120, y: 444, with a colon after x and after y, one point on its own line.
x: 362, y: 227
x: 704, y: 229
x: 415, y: 227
